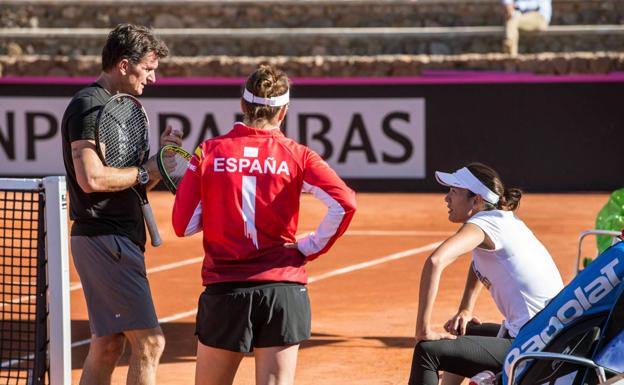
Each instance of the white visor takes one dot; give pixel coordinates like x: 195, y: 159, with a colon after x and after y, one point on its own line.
x: 274, y: 101
x: 463, y: 178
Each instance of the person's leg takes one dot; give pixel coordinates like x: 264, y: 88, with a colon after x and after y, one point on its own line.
x: 472, y: 329
x: 104, y: 352
x: 526, y: 22
x: 532, y: 21
x: 282, y: 321
x: 451, y: 379
x: 215, y: 366
x: 95, y: 260
x: 486, y: 329
x: 276, y: 365
x: 147, y: 346
x: 510, y: 44
x: 224, y: 331
x: 112, y: 272
x: 464, y: 356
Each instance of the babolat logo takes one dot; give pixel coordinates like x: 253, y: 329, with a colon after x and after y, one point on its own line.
x: 584, y: 298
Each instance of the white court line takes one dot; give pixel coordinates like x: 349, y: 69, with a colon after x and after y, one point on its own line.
x: 163, y: 320
x: 313, y: 279
x: 9, y: 363
x: 78, y: 285
x: 25, y: 298
x: 316, y: 278
x: 383, y: 233
x: 156, y: 269
x: 399, y: 233
x: 374, y: 262
x: 170, y: 266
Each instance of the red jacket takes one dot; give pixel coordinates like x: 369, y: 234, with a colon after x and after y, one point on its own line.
x: 242, y: 189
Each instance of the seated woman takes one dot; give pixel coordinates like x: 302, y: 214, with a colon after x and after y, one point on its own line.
x: 507, y: 259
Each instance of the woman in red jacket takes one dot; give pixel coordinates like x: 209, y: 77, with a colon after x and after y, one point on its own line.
x: 242, y: 189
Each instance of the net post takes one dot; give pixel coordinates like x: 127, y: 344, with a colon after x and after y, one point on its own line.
x: 58, y: 275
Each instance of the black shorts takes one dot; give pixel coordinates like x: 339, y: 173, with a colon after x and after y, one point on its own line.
x: 239, y: 316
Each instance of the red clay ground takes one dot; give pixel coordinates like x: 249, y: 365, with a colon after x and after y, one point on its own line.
x: 363, y: 320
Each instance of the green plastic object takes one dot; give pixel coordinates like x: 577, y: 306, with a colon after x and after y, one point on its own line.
x: 610, y: 217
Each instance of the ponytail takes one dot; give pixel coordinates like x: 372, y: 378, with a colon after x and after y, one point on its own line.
x: 264, y: 82
x: 509, y: 199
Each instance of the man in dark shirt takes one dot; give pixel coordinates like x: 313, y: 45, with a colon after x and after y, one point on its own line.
x: 108, y: 234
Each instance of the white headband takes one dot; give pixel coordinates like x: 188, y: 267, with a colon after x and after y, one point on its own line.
x: 463, y: 178
x: 274, y: 101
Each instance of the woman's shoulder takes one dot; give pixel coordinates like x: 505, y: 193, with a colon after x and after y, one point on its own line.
x: 495, y: 217
x: 491, y: 214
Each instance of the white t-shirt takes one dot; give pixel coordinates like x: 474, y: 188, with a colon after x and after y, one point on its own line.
x: 520, y: 273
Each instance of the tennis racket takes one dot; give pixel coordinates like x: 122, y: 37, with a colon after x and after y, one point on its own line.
x: 122, y: 140
x: 172, y: 164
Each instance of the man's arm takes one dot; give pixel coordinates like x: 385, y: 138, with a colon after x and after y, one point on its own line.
x: 93, y: 176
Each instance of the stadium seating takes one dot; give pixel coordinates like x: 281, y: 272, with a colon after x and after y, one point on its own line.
x: 352, y: 29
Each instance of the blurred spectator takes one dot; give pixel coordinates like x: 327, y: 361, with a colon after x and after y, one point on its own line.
x: 524, y: 15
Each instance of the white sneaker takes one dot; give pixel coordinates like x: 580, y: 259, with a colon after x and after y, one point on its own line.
x: 484, y: 378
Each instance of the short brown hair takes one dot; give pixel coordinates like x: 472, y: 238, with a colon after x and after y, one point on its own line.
x: 132, y: 42
x: 264, y: 82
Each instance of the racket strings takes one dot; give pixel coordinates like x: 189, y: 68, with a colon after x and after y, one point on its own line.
x: 123, y: 134
x: 175, y: 165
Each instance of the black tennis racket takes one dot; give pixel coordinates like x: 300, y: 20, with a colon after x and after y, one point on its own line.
x: 122, y: 140
x: 172, y: 164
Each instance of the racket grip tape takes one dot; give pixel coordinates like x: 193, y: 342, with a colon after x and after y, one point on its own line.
x: 152, y: 228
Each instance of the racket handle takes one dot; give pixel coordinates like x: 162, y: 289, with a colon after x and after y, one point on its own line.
x: 152, y: 228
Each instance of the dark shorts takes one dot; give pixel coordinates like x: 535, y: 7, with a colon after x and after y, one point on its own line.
x: 241, y: 316
x: 112, y: 272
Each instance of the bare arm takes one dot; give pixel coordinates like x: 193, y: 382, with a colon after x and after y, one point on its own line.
x: 457, y: 324
x: 93, y: 176
x: 466, y: 239
x: 152, y: 168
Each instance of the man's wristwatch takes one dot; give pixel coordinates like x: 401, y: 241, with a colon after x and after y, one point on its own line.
x: 142, y: 176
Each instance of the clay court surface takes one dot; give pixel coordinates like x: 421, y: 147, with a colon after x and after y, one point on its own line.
x: 364, y: 291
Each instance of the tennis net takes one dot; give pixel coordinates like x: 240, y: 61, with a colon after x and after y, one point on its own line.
x: 34, y: 282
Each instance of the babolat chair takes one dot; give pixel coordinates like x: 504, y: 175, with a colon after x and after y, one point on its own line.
x: 578, y: 338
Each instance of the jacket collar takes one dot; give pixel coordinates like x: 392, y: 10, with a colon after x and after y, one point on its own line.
x: 240, y: 129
